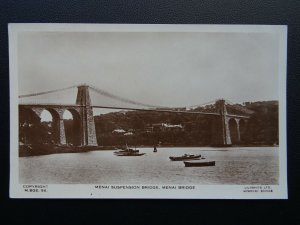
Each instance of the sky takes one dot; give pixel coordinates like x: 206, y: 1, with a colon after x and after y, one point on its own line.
x: 159, y: 68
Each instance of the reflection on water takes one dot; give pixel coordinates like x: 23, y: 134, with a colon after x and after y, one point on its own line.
x: 247, y: 165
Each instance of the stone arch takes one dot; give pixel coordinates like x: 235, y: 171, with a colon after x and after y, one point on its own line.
x: 234, y: 133
x: 54, y: 113
x: 73, y: 127
x: 53, y: 129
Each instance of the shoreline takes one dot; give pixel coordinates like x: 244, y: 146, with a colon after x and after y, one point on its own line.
x: 37, y: 150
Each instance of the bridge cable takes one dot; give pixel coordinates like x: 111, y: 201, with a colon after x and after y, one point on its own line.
x: 47, y: 92
x: 203, y: 104
x: 238, y: 107
x: 105, y: 93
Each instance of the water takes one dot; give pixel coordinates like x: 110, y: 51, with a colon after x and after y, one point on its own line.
x: 247, y: 165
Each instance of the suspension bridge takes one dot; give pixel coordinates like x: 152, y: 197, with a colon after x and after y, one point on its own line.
x: 224, y: 112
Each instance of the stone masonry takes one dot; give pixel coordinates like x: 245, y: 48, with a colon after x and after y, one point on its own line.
x: 221, y: 131
x: 87, y: 119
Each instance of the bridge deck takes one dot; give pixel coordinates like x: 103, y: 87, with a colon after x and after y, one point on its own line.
x: 134, y: 109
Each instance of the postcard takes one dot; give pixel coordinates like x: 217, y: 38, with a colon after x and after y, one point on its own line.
x: 148, y: 111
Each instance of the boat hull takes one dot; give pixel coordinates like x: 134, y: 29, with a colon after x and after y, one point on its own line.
x: 131, y: 154
x: 124, y: 152
x: 182, y: 158
x: 199, y: 164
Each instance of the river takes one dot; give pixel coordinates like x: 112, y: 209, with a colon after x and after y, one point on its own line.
x: 238, y: 165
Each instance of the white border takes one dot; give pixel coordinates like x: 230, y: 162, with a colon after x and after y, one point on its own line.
x: 200, y: 191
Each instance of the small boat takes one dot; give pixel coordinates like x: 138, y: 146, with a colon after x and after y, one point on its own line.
x: 199, y: 164
x: 185, y: 157
x: 130, y: 150
x: 130, y: 154
x: 126, y: 150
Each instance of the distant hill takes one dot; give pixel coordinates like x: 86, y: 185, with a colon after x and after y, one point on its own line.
x: 147, y: 128
x: 263, y: 124
x: 151, y: 128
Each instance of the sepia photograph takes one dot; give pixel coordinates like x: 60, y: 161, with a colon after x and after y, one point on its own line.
x: 148, y: 111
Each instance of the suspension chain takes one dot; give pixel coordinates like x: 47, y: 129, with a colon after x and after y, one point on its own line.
x: 46, y: 92
x: 244, y: 109
x: 104, y: 93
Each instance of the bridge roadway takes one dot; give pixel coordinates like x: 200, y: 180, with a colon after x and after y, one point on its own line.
x: 136, y: 109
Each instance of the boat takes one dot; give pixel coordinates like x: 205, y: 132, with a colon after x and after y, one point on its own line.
x: 127, y: 150
x: 130, y: 154
x: 130, y: 150
x: 185, y: 157
x: 199, y: 163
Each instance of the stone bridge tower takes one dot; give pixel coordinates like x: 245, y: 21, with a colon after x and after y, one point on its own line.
x: 220, y: 126
x: 88, y: 134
